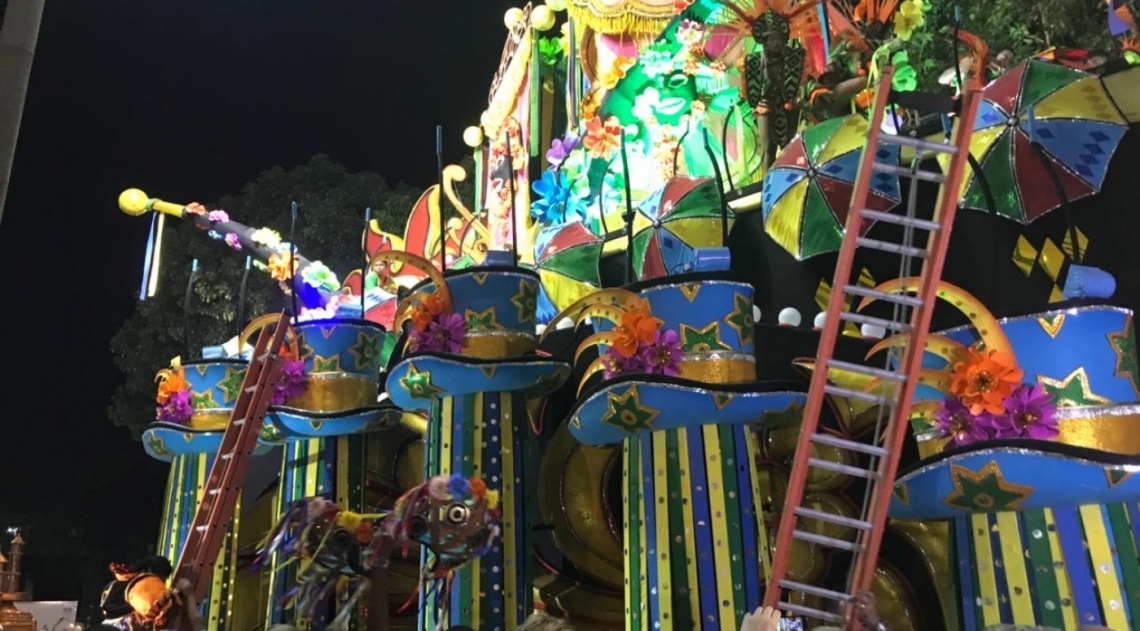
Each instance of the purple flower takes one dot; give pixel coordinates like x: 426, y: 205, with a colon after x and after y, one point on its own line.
x: 1029, y: 413
x: 218, y: 216
x: 177, y: 409
x: 233, y: 241
x: 291, y: 384
x: 561, y: 147
x: 954, y: 421
x: 617, y: 365
x: 663, y: 356
x: 457, y: 485
x: 444, y: 335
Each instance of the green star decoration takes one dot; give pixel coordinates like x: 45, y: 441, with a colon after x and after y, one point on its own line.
x: 158, y: 446
x: 526, y: 300
x: 1123, y: 344
x: 306, y: 351
x: 268, y: 433
x: 484, y: 320
x: 418, y: 384
x: 203, y: 400
x: 706, y: 339
x: 626, y: 412
x: 230, y: 385
x: 984, y: 490
x: 326, y: 364
x: 366, y: 352
x: 1072, y: 391
x: 741, y: 318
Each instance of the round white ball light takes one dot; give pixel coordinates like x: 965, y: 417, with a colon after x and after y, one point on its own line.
x: 756, y: 313
x: 870, y: 330
x: 542, y: 18
x: 512, y: 18
x: 789, y: 317
x: 473, y: 136
x: 820, y: 318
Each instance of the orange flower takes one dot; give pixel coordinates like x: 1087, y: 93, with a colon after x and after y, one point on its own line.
x: 616, y: 72
x: 679, y: 6
x: 602, y: 138
x: 637, y: 327
x: 588, y: 106
x: 170, y: 380
x: 432, y: 304
x: 984, y: 379
x: 363, y: 532
x: 279, y: 268
x: 477, y: 487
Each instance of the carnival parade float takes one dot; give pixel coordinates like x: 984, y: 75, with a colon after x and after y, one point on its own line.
x: 737, y: 315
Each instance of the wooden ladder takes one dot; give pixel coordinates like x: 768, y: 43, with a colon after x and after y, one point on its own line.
x: 912, y: 316
x: 216, y: 509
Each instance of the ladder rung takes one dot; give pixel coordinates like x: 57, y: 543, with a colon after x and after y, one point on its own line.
x: 889, y: 375
x: 894, y: 169
x: 252, y: 388
x: 893, y: 248
x: 816, y: 591
x: 832, y: 518
x: 900, y: 327
x: 902, y: 220
x: 843, y: 443
x: 855, y: 394
x: 830, y: 542
x: 843, y: 468
x: 885, y: 296
x: 808, y: 612
x: 922, y: 145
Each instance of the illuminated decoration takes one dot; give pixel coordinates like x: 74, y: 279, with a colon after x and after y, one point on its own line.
x: 623, y: 16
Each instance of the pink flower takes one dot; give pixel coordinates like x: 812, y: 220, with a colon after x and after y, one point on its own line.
x: 445, y: 334
x: 663, y: 356
x: 233, y: 241
x: 218, y: 216
x: 954, y: 421
x: 1029, y: 413
x: 438, y: 487
x: 177, y: 408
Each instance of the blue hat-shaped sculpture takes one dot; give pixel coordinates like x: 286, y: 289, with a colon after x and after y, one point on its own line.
x: 195, y: 399
x: 331, y: 381
x: 468, y: 358
x: 1030, y: 437
x: 676, y: 385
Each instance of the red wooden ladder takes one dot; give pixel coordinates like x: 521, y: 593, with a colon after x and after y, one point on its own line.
x: 912, y: 316
x: 216, y: 509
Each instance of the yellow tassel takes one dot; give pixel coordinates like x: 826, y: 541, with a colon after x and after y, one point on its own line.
x: 349, y: 520
x: 492, y: 498
x: 623, y: 21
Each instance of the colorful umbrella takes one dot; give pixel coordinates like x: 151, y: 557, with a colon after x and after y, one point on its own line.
x: 673, y: 223
x: 808, y: 190
x: 1067, y: 113
x: 566, y: 259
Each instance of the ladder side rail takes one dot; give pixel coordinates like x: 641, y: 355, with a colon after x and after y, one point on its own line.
x: 938, y: 243
x: 193, y: 544
x: 793, y: 495
x: 223, y: 509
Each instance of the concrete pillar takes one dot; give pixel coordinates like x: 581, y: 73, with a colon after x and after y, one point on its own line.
x: 18, y: 38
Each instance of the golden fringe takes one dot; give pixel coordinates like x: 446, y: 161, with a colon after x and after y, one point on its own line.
x: 620, y: 22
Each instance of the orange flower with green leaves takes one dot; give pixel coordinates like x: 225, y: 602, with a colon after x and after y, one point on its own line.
x: 983, y: 380
x: 602, y: 137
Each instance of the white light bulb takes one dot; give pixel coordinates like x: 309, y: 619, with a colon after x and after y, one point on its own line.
x: 789, y: 317
x: 820, y: 318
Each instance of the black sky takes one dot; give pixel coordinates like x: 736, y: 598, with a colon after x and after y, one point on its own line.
x: 188, y: 100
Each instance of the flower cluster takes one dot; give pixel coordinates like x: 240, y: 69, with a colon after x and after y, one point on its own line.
x: 292, y: 382
x: 640, y: 346
x: 173, y: 394
x: 457, y: 487
x: 434, y: 330
x: 989, y: 401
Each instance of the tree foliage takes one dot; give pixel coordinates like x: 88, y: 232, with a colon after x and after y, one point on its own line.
x: 331, y: 203
x: 1026, y: 28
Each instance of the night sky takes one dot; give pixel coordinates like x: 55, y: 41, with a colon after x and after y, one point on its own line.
x: 188, y: 100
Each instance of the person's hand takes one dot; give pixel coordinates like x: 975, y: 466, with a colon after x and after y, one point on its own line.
x: 765, y: 619
x: 866, y: 614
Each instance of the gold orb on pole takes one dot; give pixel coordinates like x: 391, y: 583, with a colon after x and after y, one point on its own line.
x: 542, y: 18
x: 512, y: 18
x: 473, y: 136
x: 134, y: 202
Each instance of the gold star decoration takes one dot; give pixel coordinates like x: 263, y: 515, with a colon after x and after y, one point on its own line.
x: 203, y: 400
x: 984, y: 490
x: 626, y: 412
x: 1072, y: 391
x: 326, y: 364
x: 366, y: 351
x: 484, y: 320
x: 526, y: 300
x: 1123, y: 344
x: 741, y: 318
x: 230, y: 384
x: 689, y: 291
x: 418, y: 384
x: 158, y: 446
x: 1052, y: 324
x: 706, y: 339
x: 306, y: 351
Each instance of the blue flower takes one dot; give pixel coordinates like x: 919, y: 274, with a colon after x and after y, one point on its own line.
x: 458, y: 486
x: 557, y: 202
